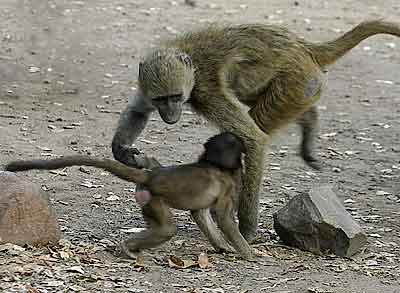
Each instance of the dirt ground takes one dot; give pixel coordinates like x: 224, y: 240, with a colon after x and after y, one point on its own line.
x: 67, y: 69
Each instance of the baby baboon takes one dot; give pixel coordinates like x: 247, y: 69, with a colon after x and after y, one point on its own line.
x: 219, y: 70
x: 210, y: 182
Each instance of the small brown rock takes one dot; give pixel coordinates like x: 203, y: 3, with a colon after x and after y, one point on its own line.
x: 26, y: 216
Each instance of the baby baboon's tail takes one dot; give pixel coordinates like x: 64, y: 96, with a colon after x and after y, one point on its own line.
x: 118, y: 169
x: 328, y: 52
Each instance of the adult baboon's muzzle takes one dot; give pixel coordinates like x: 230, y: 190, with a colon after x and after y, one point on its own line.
x: 171, y: 115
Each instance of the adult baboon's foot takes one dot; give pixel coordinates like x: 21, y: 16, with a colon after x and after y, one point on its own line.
x: 311, y: 161
x: 248, y: 230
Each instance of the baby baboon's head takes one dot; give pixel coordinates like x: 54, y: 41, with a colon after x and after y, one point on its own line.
x: 224, y: 150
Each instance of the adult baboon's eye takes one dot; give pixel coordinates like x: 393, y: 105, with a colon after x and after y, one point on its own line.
x: 160, y: 99
x: 175, y: 98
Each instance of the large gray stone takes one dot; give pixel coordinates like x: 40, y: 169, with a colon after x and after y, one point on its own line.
x: 318, y: 222
x: 26, y: 216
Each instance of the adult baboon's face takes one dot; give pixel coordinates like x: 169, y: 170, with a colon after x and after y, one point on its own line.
x: 167, y: 78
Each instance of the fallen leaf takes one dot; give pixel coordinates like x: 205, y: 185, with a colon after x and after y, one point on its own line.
x: 148, y: 141
x: 88, y: 184
x: 54, y: 283
x: 203, y: 261
x: 349, y: 200
x: 216, y: 290
x: 32, y: 290
x: 176, y: 262
x: 382, y: 193
x: 139, y: 262
x: 60, y: 173
x: 385, y: 81
x: 10, y: 247
x: 328, y: 135
x: 77, y: 269
x: 46, y: 149
x: 112, y: 198
x: 349, y: 153
x: 133, y: 230
x: 65, y: 254
x: 33, y: 69
x: 76, y: 288
x: 371, y: 262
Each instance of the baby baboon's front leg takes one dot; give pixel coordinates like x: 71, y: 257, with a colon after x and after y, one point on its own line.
x: 208, y: 227
x: 227, y: 112
x: 160, y: 228
x: 224, y: 210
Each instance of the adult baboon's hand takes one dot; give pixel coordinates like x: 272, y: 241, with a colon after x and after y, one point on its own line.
x: 127, y: 155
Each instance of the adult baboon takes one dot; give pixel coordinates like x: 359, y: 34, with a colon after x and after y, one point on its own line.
x: 220, y: 69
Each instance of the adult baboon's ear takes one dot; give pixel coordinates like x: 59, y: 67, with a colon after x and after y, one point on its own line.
x: 185, y: 58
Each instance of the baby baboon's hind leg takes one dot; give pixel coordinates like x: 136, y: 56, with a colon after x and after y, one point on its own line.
x: 161, y: 228
x: 224, y: 210
x: 208, y: 227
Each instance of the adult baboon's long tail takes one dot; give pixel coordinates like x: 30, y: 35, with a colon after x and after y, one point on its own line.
x: 328, y: 52
x: 118, y: 169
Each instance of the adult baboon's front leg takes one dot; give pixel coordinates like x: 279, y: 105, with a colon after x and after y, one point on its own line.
x: 248, y: 212
x: 131, y: 123
x: 227, y: 112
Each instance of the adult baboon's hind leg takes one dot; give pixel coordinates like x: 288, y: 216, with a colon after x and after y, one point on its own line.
x: 309, y: 129
x: 161, y: 228
x: 291, y: 97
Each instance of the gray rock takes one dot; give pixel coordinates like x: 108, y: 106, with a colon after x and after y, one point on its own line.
x: 318, y: 222
x: 26, y: 216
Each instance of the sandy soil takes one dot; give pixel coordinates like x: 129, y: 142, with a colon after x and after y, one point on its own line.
x: 67, y: 69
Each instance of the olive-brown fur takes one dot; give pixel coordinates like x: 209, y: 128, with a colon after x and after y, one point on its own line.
x: 248, y: 79
x: 195, y: 187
